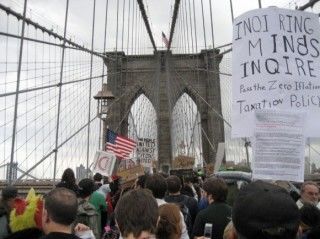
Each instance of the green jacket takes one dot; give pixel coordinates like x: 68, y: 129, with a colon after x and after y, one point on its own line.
x: 99, y: 202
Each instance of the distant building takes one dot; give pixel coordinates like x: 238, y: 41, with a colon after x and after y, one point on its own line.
x: 314, y: 168
x: 81, y: 172
x: 14, y: 171
x: 307, y: 166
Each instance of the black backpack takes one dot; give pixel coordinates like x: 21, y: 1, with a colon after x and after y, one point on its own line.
x: 186, y: 216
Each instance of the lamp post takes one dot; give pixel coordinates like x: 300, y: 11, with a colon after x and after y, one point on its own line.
x: 247, y: 144
x: 103, y: 97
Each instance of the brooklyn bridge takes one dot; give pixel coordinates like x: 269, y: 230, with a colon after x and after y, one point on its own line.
x: 152, y: 71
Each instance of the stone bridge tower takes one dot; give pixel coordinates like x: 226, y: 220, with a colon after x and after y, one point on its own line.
x: 195, y: 74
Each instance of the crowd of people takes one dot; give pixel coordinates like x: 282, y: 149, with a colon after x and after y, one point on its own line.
x: 160, y: 206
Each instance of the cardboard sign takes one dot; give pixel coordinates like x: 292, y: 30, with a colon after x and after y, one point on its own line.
x: 131, y: 173
x: 126, y: 164
x: 182, y: 173
x: 275, y: 65
x: 183, y: 162
x: 104, y: 163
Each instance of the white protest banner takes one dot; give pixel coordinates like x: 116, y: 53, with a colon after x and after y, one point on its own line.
x: 146, y: 151
x: 104, y: 163
x: 279, y: 145
x: 275, y: 65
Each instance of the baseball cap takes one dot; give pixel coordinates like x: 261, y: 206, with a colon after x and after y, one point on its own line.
x: 9, y: 192
x: 263, y: 210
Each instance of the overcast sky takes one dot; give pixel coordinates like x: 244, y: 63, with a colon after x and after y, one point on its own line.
x: 160, y: 12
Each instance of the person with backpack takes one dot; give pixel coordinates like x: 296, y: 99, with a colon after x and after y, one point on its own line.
x: 188, y: 205
x: 87, y: 213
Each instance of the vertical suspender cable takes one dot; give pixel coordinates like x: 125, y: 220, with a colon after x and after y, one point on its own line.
x: 128, y: 28
x: 195, y: 27
x: 196, y: 45
x: 60, y: 91
x: 14, y: 128
x: 231, y: 9
x: 133, y: 8
x: 123, y: 8
x: 186, y: 32
x: 90, y: 85
x: 136, y: 31
x: 183, y: 29
x: 191, y: 26
x: 212, y: 33
x: 186, y: 22
x: 204, y: 27
x: 101, y: 135
x: 117, y: 27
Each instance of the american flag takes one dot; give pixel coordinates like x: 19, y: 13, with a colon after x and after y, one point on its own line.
x: 121, y: 146
x: 165, y: 40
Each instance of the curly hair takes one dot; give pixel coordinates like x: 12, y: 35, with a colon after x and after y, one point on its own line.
x: 169, y: 226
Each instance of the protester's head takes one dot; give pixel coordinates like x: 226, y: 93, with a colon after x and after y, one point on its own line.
x: 187, y: 190
x: 86, y: 187
x: 60, y: 209
x: 310, y: 217
x: 105, y: 180
x: 8, y: 195
x: 97, y: 177
x: 215, y: 189
x: 169, y: 225
x: 157, y: 184
x: 140, y: 181
x: 68, y: 176
x: 310, y: 193
x: 265, y: 211
x: 174, y: 184
x: 137, y: 214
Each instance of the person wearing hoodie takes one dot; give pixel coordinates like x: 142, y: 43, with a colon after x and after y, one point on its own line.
x: 87, y: 213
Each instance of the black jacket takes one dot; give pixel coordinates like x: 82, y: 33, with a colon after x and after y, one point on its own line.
x: 218, y: 214
x: 30, y: 233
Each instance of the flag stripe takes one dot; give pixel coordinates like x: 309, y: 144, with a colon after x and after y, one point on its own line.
x: 125, y: 144
x: 121, y: 146
x: 126, y: 141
